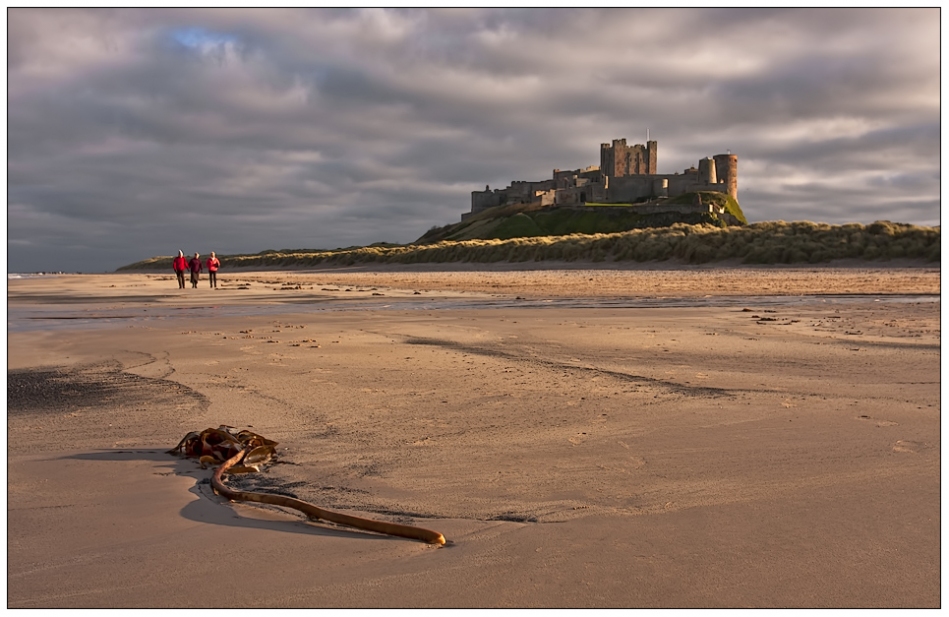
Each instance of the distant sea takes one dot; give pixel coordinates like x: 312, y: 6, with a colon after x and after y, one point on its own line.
x: 31, y: 275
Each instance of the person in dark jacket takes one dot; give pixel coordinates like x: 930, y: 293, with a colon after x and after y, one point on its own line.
x: 213, y: 265
x: 195, y: 265
x: 179, y: 265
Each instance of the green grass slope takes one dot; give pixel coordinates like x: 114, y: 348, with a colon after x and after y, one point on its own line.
x: 722, y: 200
x: 526, y: 221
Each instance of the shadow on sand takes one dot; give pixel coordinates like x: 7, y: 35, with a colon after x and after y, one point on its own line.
x: 212, y: 509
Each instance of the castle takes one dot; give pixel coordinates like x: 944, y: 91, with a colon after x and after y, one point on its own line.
x: 626, y: 174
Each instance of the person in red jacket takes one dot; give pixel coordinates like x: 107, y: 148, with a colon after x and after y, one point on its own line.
x: 179, y: 265
x: 213, y: 265
x: 195, y: 265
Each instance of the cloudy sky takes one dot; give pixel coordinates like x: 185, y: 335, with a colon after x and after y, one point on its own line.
x: 135, y: 133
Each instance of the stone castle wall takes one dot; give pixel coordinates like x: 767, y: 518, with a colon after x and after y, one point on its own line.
x: 626, y: 174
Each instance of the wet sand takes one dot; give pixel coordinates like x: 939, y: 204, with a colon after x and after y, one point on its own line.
x: 774, y: 454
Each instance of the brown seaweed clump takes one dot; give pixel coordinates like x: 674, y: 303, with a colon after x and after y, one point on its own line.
x: 213, y: 446
x: 243, y: 451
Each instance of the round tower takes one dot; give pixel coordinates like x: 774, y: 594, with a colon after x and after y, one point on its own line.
x: 707, y: 170
x: 726, y: 168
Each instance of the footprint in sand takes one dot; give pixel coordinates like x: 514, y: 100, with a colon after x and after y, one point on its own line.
x: 913, y: 447
x: 578, y: 439
x: 887, y: 423
x: 877, y: 421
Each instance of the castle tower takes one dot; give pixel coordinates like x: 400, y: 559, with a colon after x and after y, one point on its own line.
x: 620, y: 156
x: 726, y: 168
x: 619, y: 160
x: 607, y: 160
x: 707, y: 171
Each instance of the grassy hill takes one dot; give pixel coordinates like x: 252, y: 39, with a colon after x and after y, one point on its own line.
x: 759, y: 243
x: 527, y: 221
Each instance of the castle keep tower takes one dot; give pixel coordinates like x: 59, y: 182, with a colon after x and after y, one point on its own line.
x: 618, y: 160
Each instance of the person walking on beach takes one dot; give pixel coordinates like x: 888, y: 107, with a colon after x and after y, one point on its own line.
x: 179, y: 265
x: 195, y: 265
x: 213, y: 265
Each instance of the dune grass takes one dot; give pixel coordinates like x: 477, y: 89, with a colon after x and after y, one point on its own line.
x: 774, y: 242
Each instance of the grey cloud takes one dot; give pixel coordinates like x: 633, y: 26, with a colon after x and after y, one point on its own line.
x: 133, y: 131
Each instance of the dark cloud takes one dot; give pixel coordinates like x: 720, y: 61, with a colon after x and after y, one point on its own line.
x: 134, y: 133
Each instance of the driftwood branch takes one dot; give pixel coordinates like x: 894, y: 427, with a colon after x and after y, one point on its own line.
x: 245, y: 451
x: 392, y: 529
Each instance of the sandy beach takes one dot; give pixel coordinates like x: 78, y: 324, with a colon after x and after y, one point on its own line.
x: 583, y: 437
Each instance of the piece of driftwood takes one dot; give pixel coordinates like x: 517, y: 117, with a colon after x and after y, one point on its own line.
x: 245, y: 452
